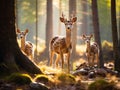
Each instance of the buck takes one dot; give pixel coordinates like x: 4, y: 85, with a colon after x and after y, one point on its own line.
x: 62, y: 45
x: 92, y: 49
x: 26, y: 46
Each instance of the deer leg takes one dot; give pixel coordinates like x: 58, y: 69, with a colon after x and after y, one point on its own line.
x: 97, y: 59
x: 62, y: 59
x: 57, y: 60
x: 68, y: 62
x: 51, y: 57
x: 93, y: 58
x: 88, y: 58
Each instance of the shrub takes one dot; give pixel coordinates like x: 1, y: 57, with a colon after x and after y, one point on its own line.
x: 107, y: 50
x: 20, y: 79
x: 66, y: 78
x: 101, y: 85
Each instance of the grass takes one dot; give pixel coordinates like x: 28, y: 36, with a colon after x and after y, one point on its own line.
x: 65, y: 78
x: 101, y: 84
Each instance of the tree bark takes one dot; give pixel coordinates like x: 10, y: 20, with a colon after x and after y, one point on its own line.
x: 11, y: 57
x: 96, y: 30
x: 84, y: 16
x: 49, y: 26
x: 116, y: 47
x: 72, y: 10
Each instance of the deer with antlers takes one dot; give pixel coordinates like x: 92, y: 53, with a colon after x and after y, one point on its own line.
x: 62, y: 45
x: 92, y: 49
x: 26, y: 46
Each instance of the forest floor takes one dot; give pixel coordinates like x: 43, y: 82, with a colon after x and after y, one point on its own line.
x: 78, y: 79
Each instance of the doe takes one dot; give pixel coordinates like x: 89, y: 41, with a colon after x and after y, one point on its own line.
x: 62, y: 45
x: 26, y: 46
x: 92, y: 49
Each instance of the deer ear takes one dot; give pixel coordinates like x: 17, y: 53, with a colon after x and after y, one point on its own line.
x: 18, y: 30
x: 91, y: 35
x: 26, y: 31
x: 83, y: 36
x: 61, y: 19
x: 74, y: 19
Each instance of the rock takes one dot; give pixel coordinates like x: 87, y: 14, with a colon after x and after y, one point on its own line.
x: 91, y: 75
x: 100, y: 72
x: 81, y: 72
x: 81, y: 66
x: 7, y: 87
x: 38, y: 86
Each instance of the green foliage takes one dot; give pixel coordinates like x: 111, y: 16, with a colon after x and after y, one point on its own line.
x: 101, y: 85
x: 66, y: 78
x: 20, y: 79
x: 107, y: 50
x: 107, y: 45
x: 41, y: 78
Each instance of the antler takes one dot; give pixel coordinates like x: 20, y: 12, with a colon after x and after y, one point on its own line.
x: 63, y: 19
x: 73, y: 17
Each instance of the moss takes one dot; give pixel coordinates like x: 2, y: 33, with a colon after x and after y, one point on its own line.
x: 66, y: 78
x: 41, y: 78
x: 20, y: 79
x: 101, y: 85
x: 107, y: 50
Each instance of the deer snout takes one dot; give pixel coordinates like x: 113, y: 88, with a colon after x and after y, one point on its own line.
x: 68, y: 28
x: 21, y: 36
x: 87, y: 41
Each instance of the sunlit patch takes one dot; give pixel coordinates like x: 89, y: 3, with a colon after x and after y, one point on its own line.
x: 78, y: 63
x: 40, y: 45
x: 80, y: 49
x: 48, y: 70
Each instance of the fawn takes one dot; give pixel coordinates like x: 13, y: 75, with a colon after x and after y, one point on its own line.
x: 26, y: 46
x: 92, y: 49
x: 62, y: 45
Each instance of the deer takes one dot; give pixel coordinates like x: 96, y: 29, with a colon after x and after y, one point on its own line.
x: 26, y: 46
x: 92, y: 49
x: 61, y: 45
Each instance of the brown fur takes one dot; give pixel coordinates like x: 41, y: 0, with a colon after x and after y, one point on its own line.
x: 92, y: 49
x: 26, y: 46
x: 62, y: 45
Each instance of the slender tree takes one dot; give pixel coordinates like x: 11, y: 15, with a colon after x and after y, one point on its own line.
x: 60, y: 12
x: 96, y: 29
x: 84, y: 16
x: 72, y: 10
x: 49, y: 26
x: 116, y: 47
x: 11, y: 57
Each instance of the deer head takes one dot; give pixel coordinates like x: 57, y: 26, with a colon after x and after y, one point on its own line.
x: 22, y: 34
x: 86, y: 38
x: 68, y: 23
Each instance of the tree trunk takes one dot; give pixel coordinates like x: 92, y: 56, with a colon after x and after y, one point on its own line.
x: 84, y: 16
x: 60, y: 12
x: 49, y: 26
x: 72, y: 10
x: 96, y: 30
x: 11, y: 57
x: 116, y: 48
